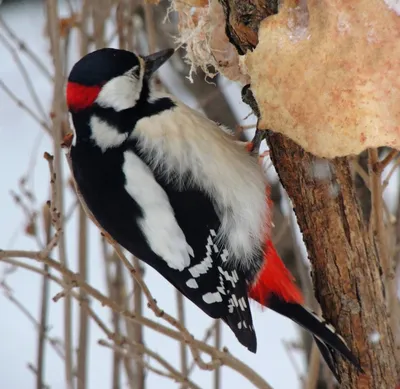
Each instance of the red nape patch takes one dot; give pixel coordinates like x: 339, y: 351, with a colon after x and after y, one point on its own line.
x: 275, y: 279
x: 80, y: 96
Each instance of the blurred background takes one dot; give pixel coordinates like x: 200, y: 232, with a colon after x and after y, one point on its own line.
x: 56, y: 344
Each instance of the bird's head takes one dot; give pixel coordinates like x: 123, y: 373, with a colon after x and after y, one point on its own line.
x: 111, y: 78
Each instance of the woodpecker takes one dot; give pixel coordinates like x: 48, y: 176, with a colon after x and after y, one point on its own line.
x: 178, y: 192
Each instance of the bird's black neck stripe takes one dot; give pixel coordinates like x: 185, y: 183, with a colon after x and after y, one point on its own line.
x: 124, y: 121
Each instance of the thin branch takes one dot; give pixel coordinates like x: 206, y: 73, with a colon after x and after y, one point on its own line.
x: 152, y: 304
x: 137, y: 328
x: 25, y: 75
x: 44, y: 306
x: 393, y: 154
x: 24, y: 107
x: 150, y: 27
x: 223, y: 356
x: 58, y: 200
x: 82, y: 360
x: 55, y: 343
x: 35, y: 371
x: 207, y: 335
x: 288, y: 348
x: 217, y: 335
x: 24, y: 48
x: 172, y: 372
x: 313, y: 368
x: 390, y: 174
x: 183, y: 349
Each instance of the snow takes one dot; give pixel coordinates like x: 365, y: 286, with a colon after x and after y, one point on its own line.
x: 21, y: 141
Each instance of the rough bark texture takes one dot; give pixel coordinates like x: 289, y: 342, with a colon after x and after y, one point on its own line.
x: 346, y: 269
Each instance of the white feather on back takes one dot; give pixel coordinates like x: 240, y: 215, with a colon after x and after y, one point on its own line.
x: 158, y: 224
x: 183, y: 140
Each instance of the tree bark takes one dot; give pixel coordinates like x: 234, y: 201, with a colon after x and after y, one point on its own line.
x: 346, y: 268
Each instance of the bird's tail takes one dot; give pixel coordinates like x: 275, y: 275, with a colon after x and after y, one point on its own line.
x: 275, y: 289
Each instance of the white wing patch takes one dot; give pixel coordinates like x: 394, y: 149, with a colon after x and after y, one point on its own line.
x: 158, y: 224
x: 211, y: 298
x: 207, y: 262
x: 104, y: 135
x: 192, y: 283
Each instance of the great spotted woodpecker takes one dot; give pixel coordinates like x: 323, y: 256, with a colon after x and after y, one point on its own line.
x: 181, y: 194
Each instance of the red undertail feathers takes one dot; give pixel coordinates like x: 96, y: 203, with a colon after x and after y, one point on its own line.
x: 274, y: 279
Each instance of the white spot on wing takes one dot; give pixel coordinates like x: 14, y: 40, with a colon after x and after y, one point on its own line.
x: 192, y: 283
x: 211, y: 298
x: 224, y: 255
x: 242, y: 304
x: 104, y: 135
x: 206, y: 263
x: 201, y: 268
x: 228, y: 277
x: 221, y: 289
x: 158, y: 224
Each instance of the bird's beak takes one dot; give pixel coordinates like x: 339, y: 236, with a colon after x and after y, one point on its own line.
x: 154, y: 61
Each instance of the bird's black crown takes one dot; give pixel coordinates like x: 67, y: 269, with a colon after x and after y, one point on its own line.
x: 102, y: 65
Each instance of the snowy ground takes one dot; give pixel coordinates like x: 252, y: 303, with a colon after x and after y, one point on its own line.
x: 21, y: 143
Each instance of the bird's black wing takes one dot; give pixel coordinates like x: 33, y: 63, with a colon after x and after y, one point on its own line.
x: 208, y: 281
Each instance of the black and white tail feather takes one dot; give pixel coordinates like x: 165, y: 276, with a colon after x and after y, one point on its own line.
x: 324, y: 334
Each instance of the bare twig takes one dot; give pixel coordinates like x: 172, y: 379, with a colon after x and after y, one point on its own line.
x: 137, y: 328
x: 393, y: 154
x: 183, y: 349
x: 44, y: 305
x: 386, y: 181
x: 172, y: 372
x: 25, y: 75
x: 150, y: 27
x: 217, y: 372
x: 313, y: 368
x: 224, y: 357
x: 208, y: 334
x: 58, y: 200
x: 24, y: 107
x: 55, y: 343
x: 152, y: 304
x: 35, y: 371
x: 288, y: 348
x: 82, y: 359
x: 24, y: 48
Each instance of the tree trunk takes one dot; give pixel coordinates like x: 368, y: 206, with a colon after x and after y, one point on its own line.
x: 346, y: 268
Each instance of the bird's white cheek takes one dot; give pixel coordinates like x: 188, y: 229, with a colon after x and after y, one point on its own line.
x: 120, y: 93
